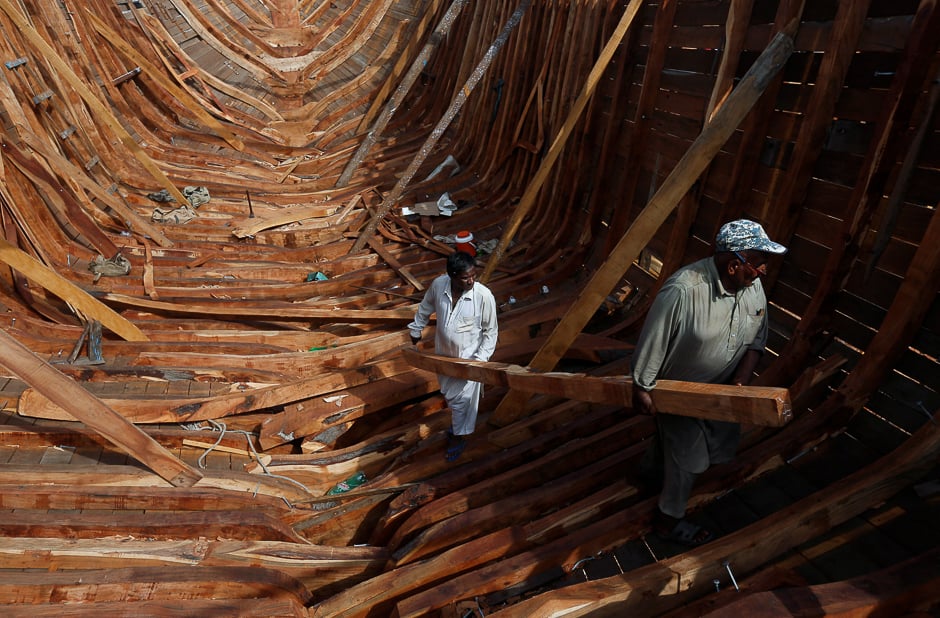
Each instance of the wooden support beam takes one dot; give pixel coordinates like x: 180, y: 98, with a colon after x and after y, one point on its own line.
x: 90, y: 410
x: 397, y: 266
x: 88, y: 307
x: 522, y: 209
x: 683, y: 176
x: 456, y: 104
x: 755, y: 405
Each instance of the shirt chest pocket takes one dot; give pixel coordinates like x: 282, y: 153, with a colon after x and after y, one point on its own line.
x: 750, y: 328
x: 467, y: 324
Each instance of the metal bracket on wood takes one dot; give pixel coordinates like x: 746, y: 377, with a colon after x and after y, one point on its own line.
x: 65, y: 133
x: 120, y: 79
x: 12, y: 64
x: 92, y: 162
x: 39, y: 98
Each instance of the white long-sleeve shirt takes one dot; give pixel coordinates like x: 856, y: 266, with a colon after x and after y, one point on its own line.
x: 465, y: 329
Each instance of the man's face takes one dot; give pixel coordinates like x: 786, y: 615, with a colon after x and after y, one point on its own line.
x: 753, y: 264
x: 464, y: 281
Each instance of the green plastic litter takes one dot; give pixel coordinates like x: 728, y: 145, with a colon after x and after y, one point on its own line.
x: 352, y: 482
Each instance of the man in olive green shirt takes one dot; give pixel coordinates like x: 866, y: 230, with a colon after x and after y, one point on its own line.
x: 707, y: 324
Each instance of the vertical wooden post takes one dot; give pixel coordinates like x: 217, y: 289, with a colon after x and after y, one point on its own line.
x: 682, y: 177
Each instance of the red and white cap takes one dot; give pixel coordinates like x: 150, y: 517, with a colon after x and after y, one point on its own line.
x: 463, y: 236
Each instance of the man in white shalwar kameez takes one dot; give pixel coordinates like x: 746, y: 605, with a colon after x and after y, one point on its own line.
x: 466, y: 328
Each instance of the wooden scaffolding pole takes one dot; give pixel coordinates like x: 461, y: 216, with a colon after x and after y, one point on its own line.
x: 90, y: 410
x: 682, y: 177
x: 532, y: 191
x: 392, y: 198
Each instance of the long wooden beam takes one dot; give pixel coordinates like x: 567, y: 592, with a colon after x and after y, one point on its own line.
x: 90, y: 410
x: 545, y: 167
x: 456, y: 104
x: 86, y: 305
x: 756, y: 405
x: 682, y: 177
x: 290, y: 311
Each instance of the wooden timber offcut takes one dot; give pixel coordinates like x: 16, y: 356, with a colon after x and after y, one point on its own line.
x: 253, y: 433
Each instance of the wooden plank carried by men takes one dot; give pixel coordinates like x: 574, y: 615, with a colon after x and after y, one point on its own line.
x: 87, y: 408
x: 756, y: 405
x: 90, y: 308
x: 545, y: 167
x: 682, y: 177
x: 461, y: 97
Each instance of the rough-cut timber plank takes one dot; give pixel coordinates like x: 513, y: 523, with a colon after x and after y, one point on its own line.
x: 166, y: 583
x: 59, y: 497
x: 756, y: 405
x: 66, y: 290
x: 89, y: 409
x: 166, y: 525
x: 315, y: 566
x: 293, y: 311
x: 163, y: 409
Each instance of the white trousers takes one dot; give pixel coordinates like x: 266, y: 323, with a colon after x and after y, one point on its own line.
x: 463, y: 398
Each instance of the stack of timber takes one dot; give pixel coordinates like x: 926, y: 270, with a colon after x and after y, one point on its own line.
x: 209, y: 403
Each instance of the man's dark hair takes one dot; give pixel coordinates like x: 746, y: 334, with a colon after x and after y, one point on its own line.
x: 459, y: 262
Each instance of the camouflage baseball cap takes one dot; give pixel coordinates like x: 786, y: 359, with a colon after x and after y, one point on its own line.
x: 742, y: 235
